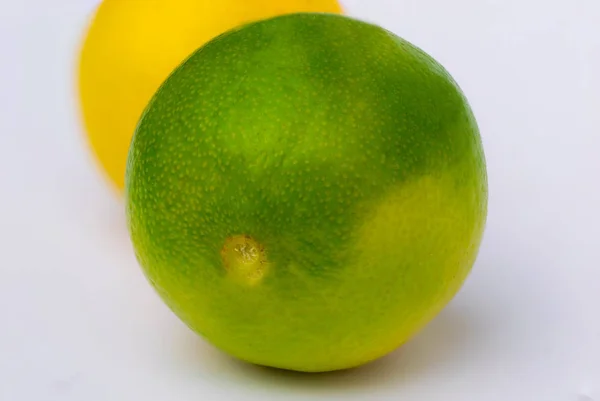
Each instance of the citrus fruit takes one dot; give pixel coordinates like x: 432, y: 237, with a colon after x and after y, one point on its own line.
x: 131, y: 46
x: 307, y: 192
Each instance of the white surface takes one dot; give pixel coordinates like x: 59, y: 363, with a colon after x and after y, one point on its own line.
x: 79, y: 322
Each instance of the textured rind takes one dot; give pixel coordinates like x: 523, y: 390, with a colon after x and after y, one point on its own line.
x: 348, y: 153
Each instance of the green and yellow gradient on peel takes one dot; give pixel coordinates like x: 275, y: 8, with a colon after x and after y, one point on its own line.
x: 307, y: 192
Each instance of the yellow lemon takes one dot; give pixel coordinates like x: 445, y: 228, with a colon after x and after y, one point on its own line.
x: 130, y: 48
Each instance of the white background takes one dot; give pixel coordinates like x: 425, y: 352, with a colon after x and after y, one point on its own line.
x: 79, y: 322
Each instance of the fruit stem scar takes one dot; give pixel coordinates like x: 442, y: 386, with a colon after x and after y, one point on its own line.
x: 244, y: 259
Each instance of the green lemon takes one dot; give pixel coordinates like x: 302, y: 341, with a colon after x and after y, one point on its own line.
x: 307, y: 191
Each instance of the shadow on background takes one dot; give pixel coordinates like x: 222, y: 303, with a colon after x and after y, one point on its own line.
x: 441, y: 343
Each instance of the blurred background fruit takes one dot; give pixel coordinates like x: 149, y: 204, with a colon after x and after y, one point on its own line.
x: 131, y: 46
